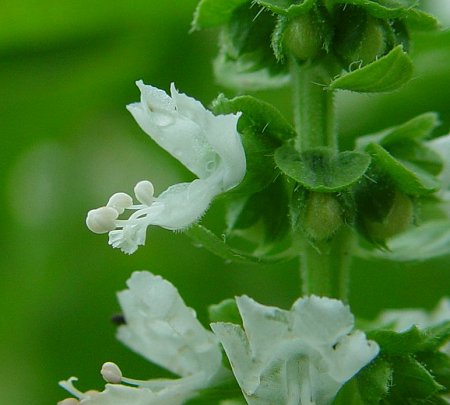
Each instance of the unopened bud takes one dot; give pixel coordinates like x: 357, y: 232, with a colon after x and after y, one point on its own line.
x: 303, y: 37
x: 120, y: 201
x: 397, y: 220
x: 323, y: 216
x: 360, y: 38
x: 144, y: 191
x: 101, y: 220
x: 111, y: 373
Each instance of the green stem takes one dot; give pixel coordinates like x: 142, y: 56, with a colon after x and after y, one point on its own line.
x: 325, y: 266
x: 313, y: 105
x: 324, y: 263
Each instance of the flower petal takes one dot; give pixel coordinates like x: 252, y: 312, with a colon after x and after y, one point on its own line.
x: 176, y: 392
x: 190, y: 133
x: 302, y: 356
x: 160, y: 327
x: 178, y: 207
x: 183, y: 204
x: 401, y: 320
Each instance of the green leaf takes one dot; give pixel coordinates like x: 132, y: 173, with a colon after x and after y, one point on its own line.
x: 413, y: 340
x: 435, y: 336
x: 428, y: 241
x: 260, y: 171
x: 225, y: 311
x: 398, y: 343
x: 411, y: 355
x: 420, y: 20
x: 260, y: 115
x: 205, y: 238
x: 412, y: 380
x: 262, y: 129
x: 439, y: 365
x: 417, y: 128
x: 286, y: 7
x: 212, y: 13
x: 368, y: 387
x: 268, y: 207
x: 246, y: 60
x: 321, y: 169
x: 242, y: 73
x: 386, y: 74
x: 389, y: 9
x: 409, y: 178
x: 418, y: 154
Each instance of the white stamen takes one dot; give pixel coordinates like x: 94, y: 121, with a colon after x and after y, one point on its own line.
x: 144, y: 191
x: 111, y: 373
x: 68, y: 401
x: 120, y: 201
x: 101, y: 220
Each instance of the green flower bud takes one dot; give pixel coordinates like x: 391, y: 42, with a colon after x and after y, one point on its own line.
x: 303, y: 37
x: 360, y: 37
x: 398, y: 218
x: 322, y: 216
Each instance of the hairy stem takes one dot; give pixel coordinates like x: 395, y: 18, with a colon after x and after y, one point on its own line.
x: 324, y: 264
x: 313, y: 105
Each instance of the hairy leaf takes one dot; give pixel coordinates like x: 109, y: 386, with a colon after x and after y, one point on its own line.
x: 385, y: 74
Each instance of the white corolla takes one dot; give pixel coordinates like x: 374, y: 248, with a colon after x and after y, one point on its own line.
x: 297, y: 357
x: 208, y: 145
x: 160, y: 327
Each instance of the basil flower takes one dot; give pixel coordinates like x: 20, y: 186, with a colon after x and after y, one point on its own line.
x: 208, y: 145
x: 401, y: 320
x: 301, y: 356
x: 160, y: 327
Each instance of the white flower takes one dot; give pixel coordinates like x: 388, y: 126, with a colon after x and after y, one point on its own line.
x: 160, y: 327
x: 302, y: 356
x: 441, y: 146
x: 208, y: 145
x: 401, y: 320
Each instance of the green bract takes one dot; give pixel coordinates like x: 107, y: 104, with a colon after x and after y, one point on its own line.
x: 322, y: 169
x: 212, y: 13
x: 386, y: 74
x: 263, y: 128
x: 287, y: 7
x: 205, y: 238
x: 410, y: 369
x: 258, y: 114
x: 408, y: 177
x: 246, y: 60
x: 428, y: 241
x: 404, y: 9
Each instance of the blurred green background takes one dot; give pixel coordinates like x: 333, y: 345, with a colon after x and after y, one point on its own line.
x: 67, y: 70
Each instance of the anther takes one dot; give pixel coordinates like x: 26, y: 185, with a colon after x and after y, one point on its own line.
x: 144, y: 191
x: 101, y: 220
x: 120, y: 201
x: 111, y: 373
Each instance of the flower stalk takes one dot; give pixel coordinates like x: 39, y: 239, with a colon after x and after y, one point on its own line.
x: 325, y: 262
x: 313, y: 105
x: 325, y: 266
